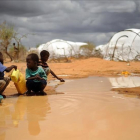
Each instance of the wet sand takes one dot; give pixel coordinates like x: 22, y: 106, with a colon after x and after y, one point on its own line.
x: 129, y: 91
x: 50, y: 88
x: 87, y: 110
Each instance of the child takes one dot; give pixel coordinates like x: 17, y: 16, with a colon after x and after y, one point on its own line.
x: 43, y: 62
x: 35, y: 76
x: 4, y: 81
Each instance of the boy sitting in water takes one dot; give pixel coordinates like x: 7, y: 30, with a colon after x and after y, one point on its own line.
x: 43, y: 62
x: 4, y: 81
x: 35, y: 76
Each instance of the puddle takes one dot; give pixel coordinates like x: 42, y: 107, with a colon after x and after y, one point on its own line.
x: 53, y: 83
x: 87, y: 111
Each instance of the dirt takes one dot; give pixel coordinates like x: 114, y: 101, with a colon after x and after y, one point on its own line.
x: 130, y: 91
x: 79, y: 68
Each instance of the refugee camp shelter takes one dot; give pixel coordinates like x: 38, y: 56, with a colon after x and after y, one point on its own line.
x: 32, y: 50
x: 123, y: 46
x: 61, y: 48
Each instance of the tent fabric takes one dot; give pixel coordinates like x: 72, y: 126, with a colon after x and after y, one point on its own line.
x: 61, y: 48
x: 123, y: 46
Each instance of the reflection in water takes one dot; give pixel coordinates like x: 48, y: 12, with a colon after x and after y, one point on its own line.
x: 19, y: 110
x: 33, y: 109
x: 125, y: 82
x: 36, y: 111
x: 3, y: 113
x: 87, y: 111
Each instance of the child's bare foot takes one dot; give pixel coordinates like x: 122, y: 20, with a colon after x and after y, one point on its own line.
x: 29, y: 93
x: 42, y: 93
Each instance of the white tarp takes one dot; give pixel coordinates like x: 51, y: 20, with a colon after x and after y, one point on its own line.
x: 61, y: 48
x: 124, y: 45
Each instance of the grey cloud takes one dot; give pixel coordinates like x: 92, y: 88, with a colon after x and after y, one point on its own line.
x: 28, y: 8
x: 93, y: 21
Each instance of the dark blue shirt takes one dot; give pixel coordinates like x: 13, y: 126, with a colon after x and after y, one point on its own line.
x: 2, y: 69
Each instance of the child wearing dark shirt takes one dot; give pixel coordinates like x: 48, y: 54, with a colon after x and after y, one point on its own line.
x: 44, y: 55
x: 4, y: 81
x: 35, y: 76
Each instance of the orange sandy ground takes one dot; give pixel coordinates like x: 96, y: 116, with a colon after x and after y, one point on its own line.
x: 79, y: 68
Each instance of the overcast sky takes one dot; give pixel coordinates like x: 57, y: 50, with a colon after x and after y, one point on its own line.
x: 78, y: 21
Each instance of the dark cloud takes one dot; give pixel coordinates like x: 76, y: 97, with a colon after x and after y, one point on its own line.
x: 94, y: 21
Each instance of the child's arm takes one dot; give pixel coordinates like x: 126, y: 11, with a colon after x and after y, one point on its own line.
x: 8, y: 69
x: 61, y: 80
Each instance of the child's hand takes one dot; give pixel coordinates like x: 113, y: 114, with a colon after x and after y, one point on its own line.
x: 38, y: 77
x: 15, y: 67
x: 61, y: 80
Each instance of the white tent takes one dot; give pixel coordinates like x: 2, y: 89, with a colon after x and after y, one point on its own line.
x: 61, y: 48
x: 123, y: 46
x: 32, y: 49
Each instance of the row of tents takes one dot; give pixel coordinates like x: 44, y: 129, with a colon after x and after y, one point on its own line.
x: 123, y: 46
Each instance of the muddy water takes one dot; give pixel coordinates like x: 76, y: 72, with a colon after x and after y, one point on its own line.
x: 87, y: 111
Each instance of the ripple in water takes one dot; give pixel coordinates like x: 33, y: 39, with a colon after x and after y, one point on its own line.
x: 87, y: 110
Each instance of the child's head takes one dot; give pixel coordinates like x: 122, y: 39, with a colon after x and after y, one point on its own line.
x: 32, y: 60
x: 44, y: 55
x: 1, y: 58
